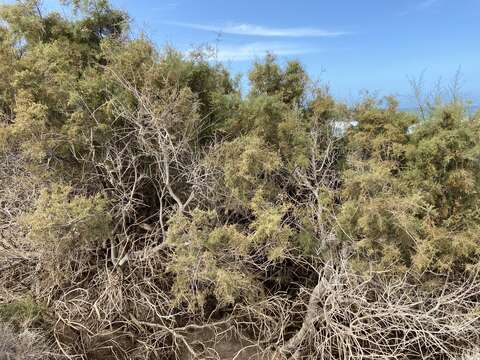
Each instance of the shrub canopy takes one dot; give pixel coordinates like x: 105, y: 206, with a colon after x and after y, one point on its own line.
x: 162, y: 181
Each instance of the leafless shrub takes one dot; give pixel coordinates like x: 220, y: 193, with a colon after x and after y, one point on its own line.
x: 18, y: 190
x: 473, y: 354
x: 356, y: 317
x: 26, y: 345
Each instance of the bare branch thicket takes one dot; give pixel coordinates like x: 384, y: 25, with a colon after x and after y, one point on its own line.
x: 18, y: 260
x: 105, y: 315
x: 24, y: 345
x: 349, y: 316
x: 422, y: 100
x: 426, y: 100
x: 374, y: 316
x: 319, y: 178
x: 150, y: 169
x: 471, y: 354
x: 17, y: 194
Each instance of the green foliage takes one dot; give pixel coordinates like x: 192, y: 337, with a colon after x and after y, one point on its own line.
x: 50, y: 62
x: 288, y: 84
x: 270, y: 231
x: 378, y: 212
x: 207, y: 260
x: 211, y: 259
x: 30, y: 126
x: 247, y: 165
x: 63, y: 223
x: 381, y: 133
x: 410, y: 193
x: 22, y: 312
x: 444, y: 166
x: 65, y: 66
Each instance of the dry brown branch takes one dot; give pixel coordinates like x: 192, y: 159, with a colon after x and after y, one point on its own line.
x: 25, y: 345
x: 352, y: 317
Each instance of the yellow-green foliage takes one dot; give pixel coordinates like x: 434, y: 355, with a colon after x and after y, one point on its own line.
x: 247, y: 165
x: 64, y: 223
x: 273, y: 111
x: 207, y: 260
x: 378, y: 212
x: 51, y: 63
x: 379, y: 215
x: 214, y: 259
x: 22, y: 312
x: 288, y: 84
x: 269, y: 228
x: 444, y: 167
x: 30, y: 127
x: 410, y: 194
x: 210, y: 259
x: 7, y: 71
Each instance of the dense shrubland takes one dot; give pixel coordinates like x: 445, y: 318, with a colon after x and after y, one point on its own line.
x: 150, y: 209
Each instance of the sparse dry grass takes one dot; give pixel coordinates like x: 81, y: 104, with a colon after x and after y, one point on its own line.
x: 379, y: 317
x: 472, y: 354
x: 25, y: 345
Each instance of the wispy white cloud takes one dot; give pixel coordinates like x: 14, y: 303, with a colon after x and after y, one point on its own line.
x: 258, y: 30
x: 421, y: 6
x: 251, y: 51
x: 425, y: 4
x: 164, y: 7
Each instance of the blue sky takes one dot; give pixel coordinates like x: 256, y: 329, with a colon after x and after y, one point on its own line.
x: 351, y: 45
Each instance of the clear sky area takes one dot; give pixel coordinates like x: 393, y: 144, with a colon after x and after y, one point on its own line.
x: 351, y: 45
